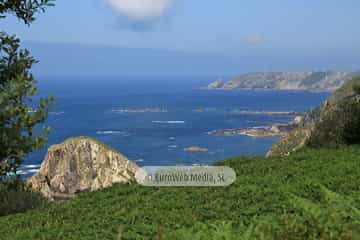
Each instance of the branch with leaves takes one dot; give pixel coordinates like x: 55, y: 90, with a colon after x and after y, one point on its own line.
x: 24, y: 9
x: 19, y: 115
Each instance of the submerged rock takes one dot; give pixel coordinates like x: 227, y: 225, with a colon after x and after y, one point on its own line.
x: 81, y: 164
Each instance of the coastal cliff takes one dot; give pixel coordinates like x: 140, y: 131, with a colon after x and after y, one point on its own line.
x: 81, y: 164
x: 312, y: 81
x: 335, y: 122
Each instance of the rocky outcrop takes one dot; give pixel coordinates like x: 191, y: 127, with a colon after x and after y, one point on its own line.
x: 313, y: 81
x: 81, y: 164
x: 273, y: 113
x: 217, y: 84
x: 196, y: 149
x: 274, y: 130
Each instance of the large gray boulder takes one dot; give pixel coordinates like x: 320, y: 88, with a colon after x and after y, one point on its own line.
x: 81, y: 164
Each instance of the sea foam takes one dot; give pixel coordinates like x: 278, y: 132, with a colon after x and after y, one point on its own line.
x: 110, y: 132
x: 170, y: 122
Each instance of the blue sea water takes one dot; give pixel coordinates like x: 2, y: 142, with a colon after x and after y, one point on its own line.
x: 84, y: 107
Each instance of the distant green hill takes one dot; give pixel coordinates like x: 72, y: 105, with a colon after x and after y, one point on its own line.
x: 313, y: 194
x: 330, y: 124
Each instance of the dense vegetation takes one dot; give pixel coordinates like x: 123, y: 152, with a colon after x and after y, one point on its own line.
x: 334, y: 123
x: 312, y: 194
x: 17, y: 197
x: 339, y: 126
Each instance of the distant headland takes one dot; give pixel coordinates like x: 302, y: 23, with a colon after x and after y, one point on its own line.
x: 327, y: 81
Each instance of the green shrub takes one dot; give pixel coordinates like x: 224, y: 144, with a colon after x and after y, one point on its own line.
x: 339, y: 126
x: 356, y: 89
x: 328, y: 131
x: 16, y: 197
x: 351, y: 133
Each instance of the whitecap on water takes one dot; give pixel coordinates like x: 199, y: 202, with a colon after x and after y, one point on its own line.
x: 259, y: 127
x: 30, y: 166
x: 57, y: 113
x: 169, y: 122
x: 172, y: 146
x: 27, y: 171
x: 125, y: 134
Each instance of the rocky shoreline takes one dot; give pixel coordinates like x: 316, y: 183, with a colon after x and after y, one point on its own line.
x: 249, y: 112
x: 274, y: 130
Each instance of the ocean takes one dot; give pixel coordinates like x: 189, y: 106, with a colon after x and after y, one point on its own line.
x: 152, y: 120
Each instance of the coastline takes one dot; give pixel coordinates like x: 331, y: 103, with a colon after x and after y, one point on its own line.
x: 268, y: 89
x: 274, y: 130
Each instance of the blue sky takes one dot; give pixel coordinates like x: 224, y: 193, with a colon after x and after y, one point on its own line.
x: 229, y: 27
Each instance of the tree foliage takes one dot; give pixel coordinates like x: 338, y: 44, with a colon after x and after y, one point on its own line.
x: 19, y: 115
x: 23, y: 9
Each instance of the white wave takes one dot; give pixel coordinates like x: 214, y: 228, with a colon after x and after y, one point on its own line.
x: 21, y: 172
x: 170, y: 122
x: 248, y: 134
x: 24, y: 172
x: 113, y: 132
x: 30, y: 166
x: 51, y: 113
x: 144, y: 110
x: 139, y: 160
x: 260, y: 127
x: 57, y: 113
x: 173, y: 146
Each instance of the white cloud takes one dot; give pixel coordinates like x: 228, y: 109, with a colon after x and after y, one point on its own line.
x: 140, y: 10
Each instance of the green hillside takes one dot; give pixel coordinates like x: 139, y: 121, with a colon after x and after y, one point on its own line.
x: 334, y: 123
x: 313, y: 194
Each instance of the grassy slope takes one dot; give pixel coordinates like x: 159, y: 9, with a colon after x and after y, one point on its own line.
x: 308, y: 193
